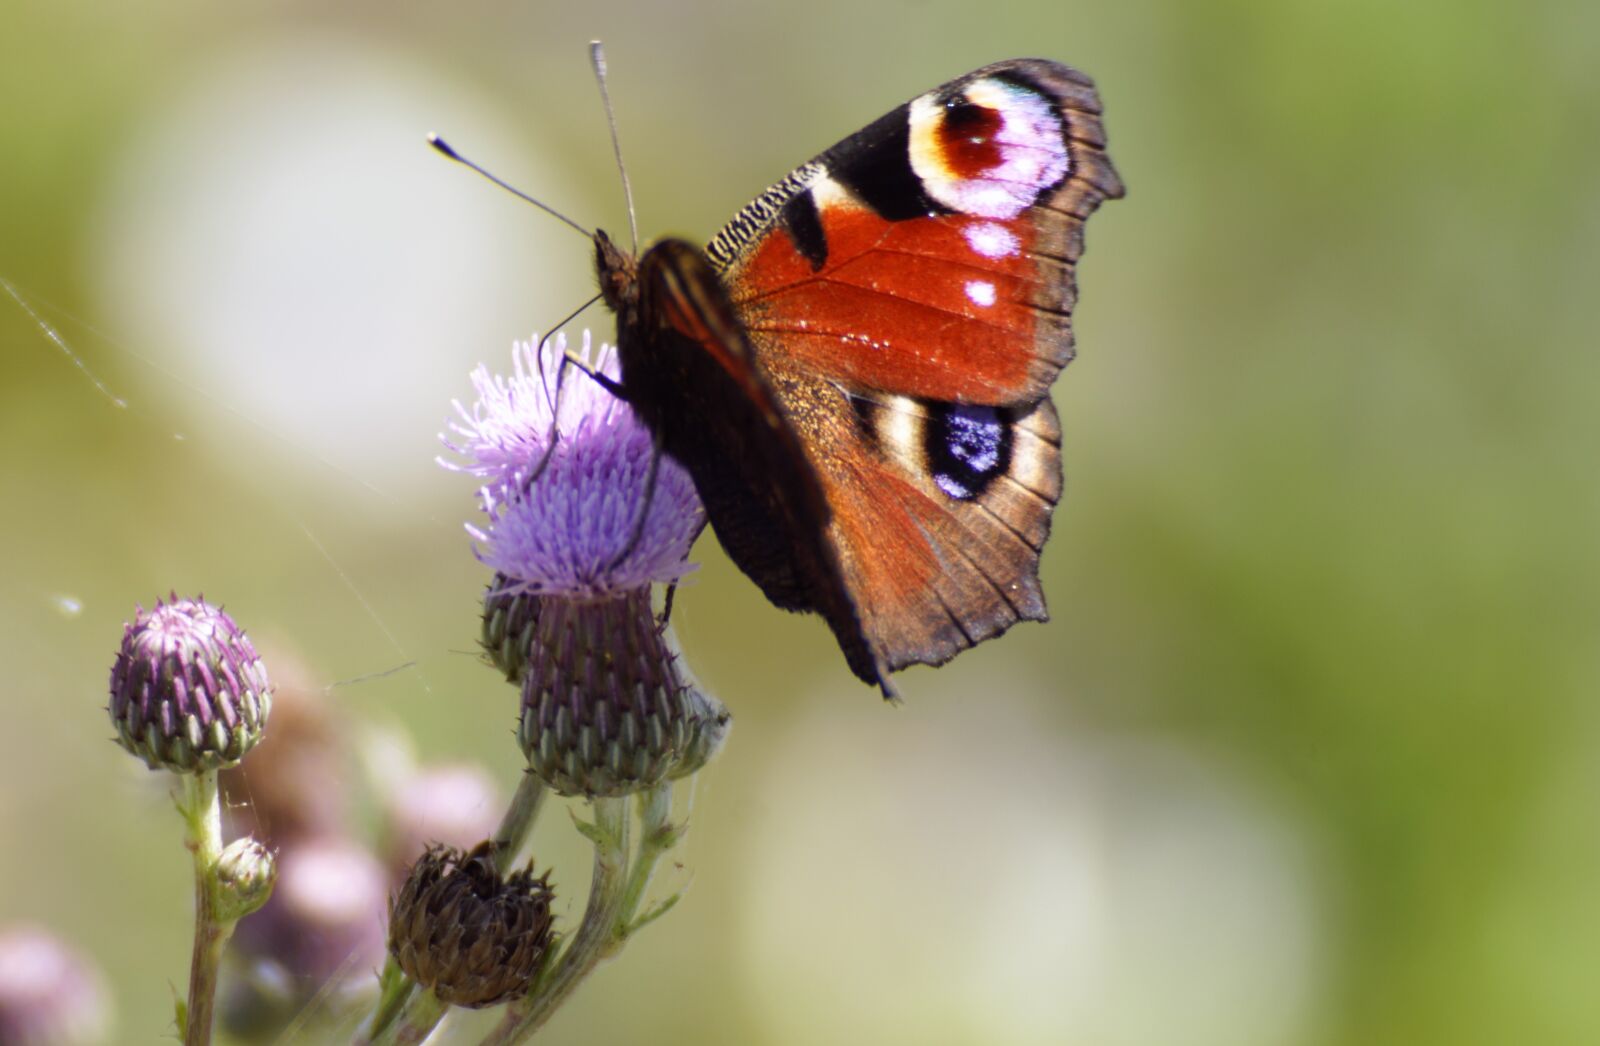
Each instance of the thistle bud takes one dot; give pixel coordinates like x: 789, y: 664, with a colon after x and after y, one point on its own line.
x: 473, y: 938
x: 188, y: 692
x: 605, y: 709
x: 246, y: 871
x: 509, y: 618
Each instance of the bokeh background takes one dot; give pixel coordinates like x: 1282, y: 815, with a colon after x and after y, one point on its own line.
x: 1309, y: 752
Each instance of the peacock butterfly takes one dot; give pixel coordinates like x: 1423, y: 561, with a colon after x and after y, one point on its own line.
x: 856, y: 370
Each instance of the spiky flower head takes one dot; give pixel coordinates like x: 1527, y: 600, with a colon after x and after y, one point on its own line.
x: 510, y: 624
x: 606, y: 706
x: 472, y: 936
x: 561, y: 489
x: 188, y: 692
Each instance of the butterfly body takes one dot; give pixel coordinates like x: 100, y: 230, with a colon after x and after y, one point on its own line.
x: 856, y: 369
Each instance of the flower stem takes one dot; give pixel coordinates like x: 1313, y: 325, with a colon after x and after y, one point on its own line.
x: 394, y: 991
x: 202, y: 811
x: 518, y: 821
x: 422, y: 1014
x: 657, y: 835
x: 596, y: 935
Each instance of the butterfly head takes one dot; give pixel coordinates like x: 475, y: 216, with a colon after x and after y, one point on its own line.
x: 618, y: 272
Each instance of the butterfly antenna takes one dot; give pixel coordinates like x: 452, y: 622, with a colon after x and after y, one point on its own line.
x: 445, y: 149
x: 597, y: 58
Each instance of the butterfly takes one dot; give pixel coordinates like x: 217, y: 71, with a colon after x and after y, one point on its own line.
x: 856, y: 370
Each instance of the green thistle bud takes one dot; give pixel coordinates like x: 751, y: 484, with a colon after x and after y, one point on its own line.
x: 188, y: 692
x: 509, y: 618
x: 473, y: 938
x: 245, y: 872
x: 606, y: 710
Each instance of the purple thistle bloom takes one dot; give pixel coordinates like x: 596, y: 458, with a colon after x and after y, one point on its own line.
x: 607, y: 709
x: 563, y: 532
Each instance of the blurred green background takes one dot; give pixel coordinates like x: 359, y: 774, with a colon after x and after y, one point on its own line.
x: 1308, y: 753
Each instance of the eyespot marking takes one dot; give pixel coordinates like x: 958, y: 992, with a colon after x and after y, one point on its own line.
x: 967, y: 137
x: 967, y: 448
x: 989, y: 150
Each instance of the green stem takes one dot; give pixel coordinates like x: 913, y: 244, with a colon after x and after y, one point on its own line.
x: 203, y: 813
x: 421, y: 1016
x: 518, y: 821
x: 596, y: 935
x: 395, y: 989
x: 656, y: 836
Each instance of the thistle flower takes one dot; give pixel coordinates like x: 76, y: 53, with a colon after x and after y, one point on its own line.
x: 560, y: 518
x: 606, y: 706
x: 460, y: 929
x: 606, y: 709
x: 188, y: 692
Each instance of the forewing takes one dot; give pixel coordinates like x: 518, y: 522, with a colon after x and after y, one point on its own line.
x: 932, y: 254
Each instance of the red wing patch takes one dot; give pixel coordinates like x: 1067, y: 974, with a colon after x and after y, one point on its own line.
x: 931, y: 254
x: 906, y: 307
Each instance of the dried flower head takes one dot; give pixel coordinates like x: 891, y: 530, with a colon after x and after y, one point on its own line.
x: 188, y: 692
x: 460, y: 929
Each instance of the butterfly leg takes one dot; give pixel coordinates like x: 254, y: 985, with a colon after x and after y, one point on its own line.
x: 666, y: 607
x: 569, y: 359
x: 572, y: 359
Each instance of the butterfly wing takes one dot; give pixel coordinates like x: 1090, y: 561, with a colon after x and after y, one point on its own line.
x: 894, y: 312
x: 932, y: 253
x: 689, y: 371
